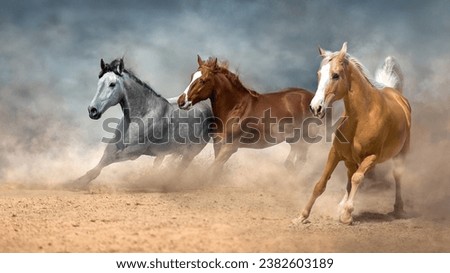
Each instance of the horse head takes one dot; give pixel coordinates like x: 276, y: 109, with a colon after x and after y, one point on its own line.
x: 109, y: 88
x: 333, y: 83
x: 202, y: 83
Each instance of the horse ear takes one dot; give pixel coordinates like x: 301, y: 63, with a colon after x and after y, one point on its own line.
x: 102, y: 64
x: 215, y: 62
x: 322, y: 51
x: 199, y: 60
x: 343, y: 50
x: 120, y: 67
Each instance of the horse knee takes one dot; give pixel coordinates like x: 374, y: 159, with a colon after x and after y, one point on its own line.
x: 357, y: 178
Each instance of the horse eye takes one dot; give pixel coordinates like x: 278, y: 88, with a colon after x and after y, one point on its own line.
x: 112, y: 84
x: 202, y: 81
x: 335, y: 76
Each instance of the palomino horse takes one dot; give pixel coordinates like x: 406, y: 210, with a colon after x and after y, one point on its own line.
x: 150, y: 125
x: 377, y: 127
x: 245, y: 118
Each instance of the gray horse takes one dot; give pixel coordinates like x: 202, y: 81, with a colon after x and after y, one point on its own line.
x: 151, y: 125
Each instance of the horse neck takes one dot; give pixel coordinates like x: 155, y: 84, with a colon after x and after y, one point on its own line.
x: 227, y: 95
x: 138, y: 100
x: 360, y: 96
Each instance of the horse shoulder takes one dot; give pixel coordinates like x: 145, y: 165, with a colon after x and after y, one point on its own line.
x: 343, y: 139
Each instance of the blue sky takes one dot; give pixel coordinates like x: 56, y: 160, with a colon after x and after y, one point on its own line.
x: 50, y: 50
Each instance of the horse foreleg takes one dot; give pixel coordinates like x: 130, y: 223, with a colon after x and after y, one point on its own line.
x: 111, y: 155
x: 107, y: 158
x: 83, y: 181
x: 357, y: 178
x: 319, y: 188
x: 351, y: 169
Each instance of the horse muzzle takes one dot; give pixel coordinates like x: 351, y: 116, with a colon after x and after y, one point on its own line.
x: 318, y: 110
x: 94, y: 113
x: 186, y: 105
x: 183, y: 103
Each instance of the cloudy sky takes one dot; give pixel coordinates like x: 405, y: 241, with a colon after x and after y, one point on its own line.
x: 50, y: 52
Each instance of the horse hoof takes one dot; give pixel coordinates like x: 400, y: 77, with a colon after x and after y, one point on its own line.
x: 346, y: 219
x: 398, y: 214
x: 300, y: 220
x: 75, y: 185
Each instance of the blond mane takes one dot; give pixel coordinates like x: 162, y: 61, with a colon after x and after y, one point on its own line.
x: 361, y: 68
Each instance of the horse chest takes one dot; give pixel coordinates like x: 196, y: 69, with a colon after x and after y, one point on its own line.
x: 355, y: 142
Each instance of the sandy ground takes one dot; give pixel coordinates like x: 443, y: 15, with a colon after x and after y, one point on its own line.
x: 244, y: 211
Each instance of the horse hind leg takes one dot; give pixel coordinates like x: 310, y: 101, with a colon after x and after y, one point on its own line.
x: 302, y: 152
x: 399, y: 168
x: 398, y: 172
x: 299, y: 148
x: 189, y: 155
x: 289, y: 163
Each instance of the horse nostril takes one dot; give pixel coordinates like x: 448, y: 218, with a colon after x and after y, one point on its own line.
x: 311, y: 109
x: 93, y: 111
x: 319, y: 109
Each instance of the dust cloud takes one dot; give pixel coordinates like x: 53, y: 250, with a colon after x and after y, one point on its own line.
x: 50, y: 54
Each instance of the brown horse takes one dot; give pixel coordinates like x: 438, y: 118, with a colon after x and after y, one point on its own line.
x: 377, y: 127
x: 245, y: 118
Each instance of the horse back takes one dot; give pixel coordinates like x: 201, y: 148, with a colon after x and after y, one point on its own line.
x: 289, y: 102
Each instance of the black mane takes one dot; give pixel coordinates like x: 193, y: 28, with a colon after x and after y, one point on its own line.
x: 112, y: 67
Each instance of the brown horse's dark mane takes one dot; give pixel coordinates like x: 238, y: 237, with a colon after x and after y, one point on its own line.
x: 222, y: 67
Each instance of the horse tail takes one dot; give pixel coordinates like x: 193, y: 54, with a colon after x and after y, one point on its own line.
x: 390, y: 74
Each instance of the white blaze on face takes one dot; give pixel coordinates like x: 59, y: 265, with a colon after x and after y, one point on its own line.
x: 196, y: 75
x: 319, y: 97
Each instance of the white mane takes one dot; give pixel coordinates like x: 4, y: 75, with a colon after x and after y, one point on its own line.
x: 377, y: 84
